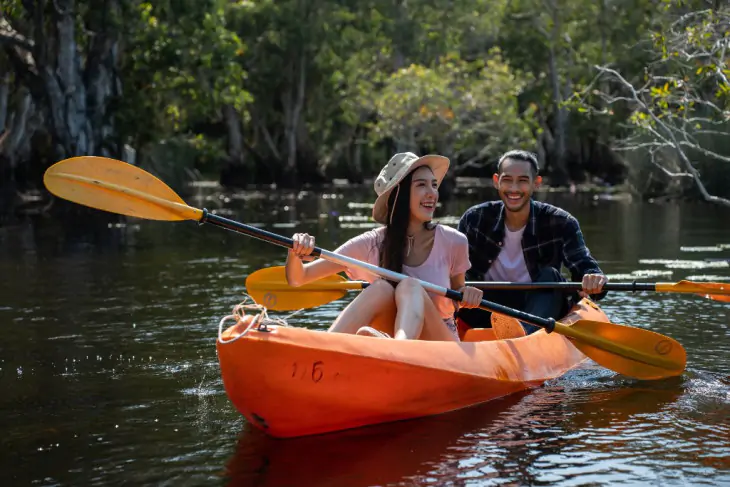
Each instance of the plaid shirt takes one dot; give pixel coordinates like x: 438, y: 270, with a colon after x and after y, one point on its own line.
x: 552, y: 238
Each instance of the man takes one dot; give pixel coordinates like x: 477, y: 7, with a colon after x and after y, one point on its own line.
x: 518, y: 239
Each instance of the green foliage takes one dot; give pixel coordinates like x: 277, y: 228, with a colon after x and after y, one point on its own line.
x: 315, y: 84
x: 182, y: 65
x: 678, y: 107
x: 454, y: 107
x: 686, y: 84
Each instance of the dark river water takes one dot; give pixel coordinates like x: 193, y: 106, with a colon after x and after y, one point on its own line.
x: 109, y: 375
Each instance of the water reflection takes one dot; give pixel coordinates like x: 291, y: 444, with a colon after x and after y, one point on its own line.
x: 585, y: 425
x: 378, y: 455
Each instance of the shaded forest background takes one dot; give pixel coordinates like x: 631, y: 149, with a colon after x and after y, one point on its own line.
x: 623, y: 93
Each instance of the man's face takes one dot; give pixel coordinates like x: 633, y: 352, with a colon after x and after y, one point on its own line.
x: 516, y: 183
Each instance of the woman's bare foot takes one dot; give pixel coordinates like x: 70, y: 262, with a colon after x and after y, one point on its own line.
x: 370, y: 331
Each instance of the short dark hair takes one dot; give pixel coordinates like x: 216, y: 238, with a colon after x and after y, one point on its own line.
x: 519, y: 155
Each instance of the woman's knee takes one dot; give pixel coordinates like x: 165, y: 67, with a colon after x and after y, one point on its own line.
x: 380, y: 289
x: 408, y: 287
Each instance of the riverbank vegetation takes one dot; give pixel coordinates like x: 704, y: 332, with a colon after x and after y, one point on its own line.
x: 611, y: 92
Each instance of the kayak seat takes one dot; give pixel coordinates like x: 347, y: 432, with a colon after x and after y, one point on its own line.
x: 469, y: 334
x: 478, y: 335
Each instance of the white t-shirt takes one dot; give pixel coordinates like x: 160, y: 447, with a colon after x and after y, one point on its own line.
x: 510, y: 263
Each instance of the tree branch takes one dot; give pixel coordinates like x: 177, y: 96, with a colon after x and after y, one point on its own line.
x: 668, y: 136
x: 15, y: 40
x: 19, y: 45
x: 670, y: 173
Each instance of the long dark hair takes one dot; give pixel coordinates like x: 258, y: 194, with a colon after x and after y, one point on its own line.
x: 392, y: 249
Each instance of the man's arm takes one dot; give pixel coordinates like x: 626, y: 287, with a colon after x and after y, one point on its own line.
x: 578, y: 258
x: 467, y: 226
x: 463, y: 226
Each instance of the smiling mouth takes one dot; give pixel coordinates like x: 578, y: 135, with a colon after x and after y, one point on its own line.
x: 514, y: 197
x: 429, y: 205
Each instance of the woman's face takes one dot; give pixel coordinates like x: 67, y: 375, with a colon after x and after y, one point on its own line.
x: 424, y: 194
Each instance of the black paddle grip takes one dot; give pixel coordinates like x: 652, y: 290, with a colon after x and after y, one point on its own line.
x: 546, y: 323
x: 251, y: 231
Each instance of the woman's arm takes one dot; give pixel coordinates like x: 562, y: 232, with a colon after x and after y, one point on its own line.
x: 458, y: 281
x: 297, y: 272
x: 472, y: 296
x: 460, y: 264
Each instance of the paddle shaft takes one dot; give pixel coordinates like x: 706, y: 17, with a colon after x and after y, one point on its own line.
x: 516, y: 286
x: 547, y: 323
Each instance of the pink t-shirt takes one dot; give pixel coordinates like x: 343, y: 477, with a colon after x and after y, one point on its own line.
x: 449, y: 256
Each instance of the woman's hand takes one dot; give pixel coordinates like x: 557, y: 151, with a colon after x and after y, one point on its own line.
x: 471, y: 297
x: 303, y: 246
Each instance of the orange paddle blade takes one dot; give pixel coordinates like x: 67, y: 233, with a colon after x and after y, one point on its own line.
x: 117, y: 187
x: 270, y: 288
x: 717, y: 291
x: 634, y: 352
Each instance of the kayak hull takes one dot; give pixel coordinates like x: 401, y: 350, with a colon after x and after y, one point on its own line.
x: 293, y: 382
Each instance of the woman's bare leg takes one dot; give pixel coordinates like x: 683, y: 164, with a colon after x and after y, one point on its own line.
x: 434, y: 327
x: 417, y: 316
x: 374, y: 306
x: 410, y: 307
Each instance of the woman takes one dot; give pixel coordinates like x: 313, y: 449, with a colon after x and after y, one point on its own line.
x: 409, y: 243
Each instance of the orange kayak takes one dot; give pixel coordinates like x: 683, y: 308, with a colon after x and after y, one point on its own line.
x: 295, y: 382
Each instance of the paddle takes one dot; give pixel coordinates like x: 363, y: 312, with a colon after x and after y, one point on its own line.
x: 270, y: 285
x: 118, y: 187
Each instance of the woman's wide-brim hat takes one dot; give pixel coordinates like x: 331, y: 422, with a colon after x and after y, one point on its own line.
x: 393, y: 173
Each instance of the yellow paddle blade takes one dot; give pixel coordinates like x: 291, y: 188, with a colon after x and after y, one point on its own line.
x: 710, y: 290
x: 630, y: 351
x: 117, y: 187
x: 270, y: 288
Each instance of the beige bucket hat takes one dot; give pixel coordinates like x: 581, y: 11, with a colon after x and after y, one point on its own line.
x: 393, y: 173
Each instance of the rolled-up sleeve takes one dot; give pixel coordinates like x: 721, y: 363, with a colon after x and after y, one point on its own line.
x: 576, y: 256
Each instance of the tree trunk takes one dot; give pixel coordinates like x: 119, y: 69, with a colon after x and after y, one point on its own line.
x: 234, y: 173
x: 357, y: 159
x: 4, y: 95
x: 73, y: 88
x: 16, y: 142
x: 235, y: 135
x: 560, y: 174
x: 293, y: 104
x: 65, y: 92
x: 558, y: 155
x: 103, y: 80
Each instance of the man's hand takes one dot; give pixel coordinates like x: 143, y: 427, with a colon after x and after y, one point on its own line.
x: 592, y: 284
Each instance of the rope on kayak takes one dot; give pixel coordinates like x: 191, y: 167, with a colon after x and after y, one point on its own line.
x: 260, y: 318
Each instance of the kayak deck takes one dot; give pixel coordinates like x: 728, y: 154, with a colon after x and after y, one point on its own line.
x: 295, y: 382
